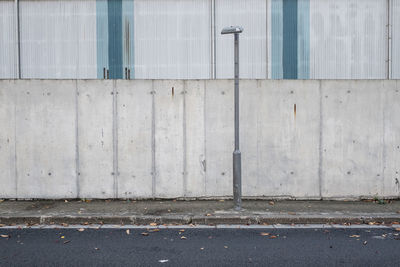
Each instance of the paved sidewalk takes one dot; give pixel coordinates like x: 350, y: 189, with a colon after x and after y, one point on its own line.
x: 208, y: 212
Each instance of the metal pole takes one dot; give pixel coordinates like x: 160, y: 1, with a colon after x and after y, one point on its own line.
x: 237, y: 161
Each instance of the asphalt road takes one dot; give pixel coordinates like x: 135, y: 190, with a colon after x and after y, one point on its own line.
x: 200, y: 247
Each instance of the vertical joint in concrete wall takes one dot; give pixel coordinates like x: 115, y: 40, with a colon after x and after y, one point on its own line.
x: 77, y: 170
x: 184, y: 140
x: 321, y: 143
x: 115, y: 138
x: 153, y: 140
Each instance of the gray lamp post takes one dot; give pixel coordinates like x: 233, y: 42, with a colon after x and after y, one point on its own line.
x: 237, y: 159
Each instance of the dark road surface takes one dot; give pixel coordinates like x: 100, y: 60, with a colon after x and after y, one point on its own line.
x: 200, y: 247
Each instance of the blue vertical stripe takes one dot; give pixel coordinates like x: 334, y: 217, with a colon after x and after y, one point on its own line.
x: 276, y: 39
x: 303, y: 48
x: 289, y: 56
x: 102, y: 36
x: 128, y: 36
x: 115, y: 38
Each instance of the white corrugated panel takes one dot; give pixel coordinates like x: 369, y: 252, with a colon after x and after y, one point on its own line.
x: 58, y: 39
x: 348, y: 39
x: 252, y: 16
x: 8, y: 37
x: 172, y: 39
x: 396, y: 40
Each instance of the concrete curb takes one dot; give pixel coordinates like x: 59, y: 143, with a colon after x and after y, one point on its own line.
x: 237, y: 219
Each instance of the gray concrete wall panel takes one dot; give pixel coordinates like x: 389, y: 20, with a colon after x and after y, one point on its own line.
x: 8, y: 185
x: 169, y: 157
x: 219, y: 137
x: 288, y: 131
x: 45, y: 134
x: 135, y: 138
x: 353, y: 138
x: 95, y: 135
x: 391, y: 153
x: 195, y: 165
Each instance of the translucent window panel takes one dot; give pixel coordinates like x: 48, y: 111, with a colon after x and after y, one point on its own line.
x: 396, y: 39
x: 8, y: 38
x: 252, y: 16
x: 58, y: 39
x: 348, y: 39
x: 172, y: 39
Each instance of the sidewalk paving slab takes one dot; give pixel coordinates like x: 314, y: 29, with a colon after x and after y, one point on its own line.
x: 204, y: 212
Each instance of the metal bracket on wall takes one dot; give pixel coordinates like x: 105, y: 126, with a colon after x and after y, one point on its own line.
x: 127, y: 73
x: 106, y: 73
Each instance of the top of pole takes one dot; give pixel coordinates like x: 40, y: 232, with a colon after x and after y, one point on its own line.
x: 232, y: 29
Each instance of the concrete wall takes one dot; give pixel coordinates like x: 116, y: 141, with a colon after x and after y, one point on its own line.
x: 174, y: 138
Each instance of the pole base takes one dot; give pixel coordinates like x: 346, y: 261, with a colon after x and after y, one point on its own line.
x: 237, y: 180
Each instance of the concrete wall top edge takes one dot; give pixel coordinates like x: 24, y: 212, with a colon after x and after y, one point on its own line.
x: 272, y: 80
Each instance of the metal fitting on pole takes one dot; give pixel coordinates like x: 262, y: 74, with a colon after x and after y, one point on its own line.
x: 237, y: 157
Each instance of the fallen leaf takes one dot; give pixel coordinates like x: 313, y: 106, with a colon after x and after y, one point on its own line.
x: 128, y: 232
x: 65, y: 224
x: 273, y: 236
x: 201, y: 248
x: 145, y: 234
x: 65, y: 201
x: 225, y: 246
x: 81, y: 229
x: 292, y: 213
x: 397, y: 229
x: 264, y: 234
x: 67, y: 241
x: 163, y: 261
x: 2, y: 225
x: 183, y: 237
x: 354, y: 236
x: 208, y: 214
x: 395, y: 222
x: 86, y: 223
x: 221, y: 200
x: 155, y: 230
x: 5, y: 236
x: 96, y: 248
x: 271, y: 203
x: 153, y: 224
x: 182, y: 230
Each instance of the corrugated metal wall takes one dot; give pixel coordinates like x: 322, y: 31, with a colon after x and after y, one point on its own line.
x: 348, y: 39
x: 180, y: 39
x: 58, y: 39
x: 395, y: 15
x: 172, y: 39
x: 8, y: 47
x: 252, y: 16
